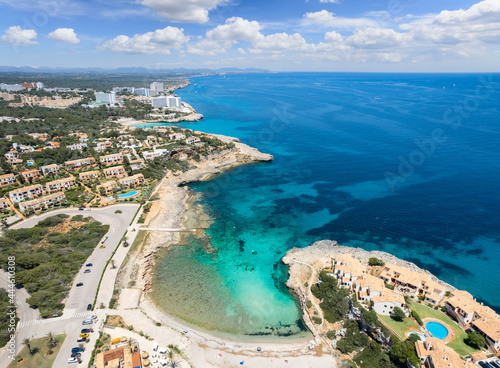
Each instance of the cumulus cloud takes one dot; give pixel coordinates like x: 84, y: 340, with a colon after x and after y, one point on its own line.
x: 328, y: 19
x: 192, y: 11
x: 330, y: 1
x: 19, y: 37
x: 223, y: 37
x: 378, y: 38
x: 160, y: 41
x: 67, y: 35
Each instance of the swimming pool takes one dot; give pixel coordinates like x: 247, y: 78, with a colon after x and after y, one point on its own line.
x: 422, y: 337
x: 129, y: 194
x: 437, y: 330
x: 126, y: 195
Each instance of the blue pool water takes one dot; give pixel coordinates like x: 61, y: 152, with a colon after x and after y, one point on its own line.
x: 129, y: 194
x: 404, y: 163
x: 125, y: 195
x: 437, y: 330
x: 422, y: 337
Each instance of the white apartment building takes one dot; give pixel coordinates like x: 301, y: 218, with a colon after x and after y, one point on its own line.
x: 107, y: 98
x: 157, y: 86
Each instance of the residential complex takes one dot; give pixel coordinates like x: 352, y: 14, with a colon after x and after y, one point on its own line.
x: 61, y: 184
x: 79, y: 164
x: 7, y: 179
x: 132, y: 181
x: 114, y: 172
x: 50, y: 169
x: 474, y: 315
x: 38, y: 203
x: 21, y: 194
x: 89, y: 175
x: 113, y: 159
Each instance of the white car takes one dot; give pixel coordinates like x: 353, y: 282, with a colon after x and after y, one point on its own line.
x: 73, y: 360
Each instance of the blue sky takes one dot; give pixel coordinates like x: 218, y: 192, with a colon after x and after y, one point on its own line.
x: 280, y: 35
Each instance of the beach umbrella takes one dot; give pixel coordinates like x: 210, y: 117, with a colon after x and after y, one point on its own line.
x: 146, y: 362
x: 123, y: 339
x: 144, y: 355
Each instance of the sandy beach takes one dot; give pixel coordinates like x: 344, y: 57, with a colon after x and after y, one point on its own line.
x: 202, y: 348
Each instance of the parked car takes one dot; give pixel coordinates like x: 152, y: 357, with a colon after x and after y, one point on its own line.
x: 87, y: 322
x: 79, y: 284
x: 86, y: 271
x: 88, y: 265
x: 102, y: 246
x: 81, y: 208
x: 76, y: 350
x: 76, y: 354
x: 89, y: 307
x: 81, y: 339
x: 84, y: 335
x: 73, y: 360
x: 87, y: 330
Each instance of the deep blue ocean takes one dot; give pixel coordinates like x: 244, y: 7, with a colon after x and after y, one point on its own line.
x: 404, y: 163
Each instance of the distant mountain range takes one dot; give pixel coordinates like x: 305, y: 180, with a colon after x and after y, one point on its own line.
x: 124, y: 70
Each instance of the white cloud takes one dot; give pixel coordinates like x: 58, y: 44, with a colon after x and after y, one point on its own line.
x: 67, y: 35
x: 279, y: 42
x: 378, y: 38
x: 160, y: 41
x: 328, y: 19
x: 223, y: 37
x: 330, y: 1
x: 19, y: 37
x: 193, y: 11
x: 484, y: 11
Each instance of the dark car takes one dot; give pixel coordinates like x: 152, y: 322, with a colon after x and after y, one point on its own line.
x: 87, y: 330
x: 86, y: 271
x: 89, y: 307
x: 81, y: 208
x: 79, y: 284
x: 88, y: 265
x: 76, y: 350
x: 75, y: 354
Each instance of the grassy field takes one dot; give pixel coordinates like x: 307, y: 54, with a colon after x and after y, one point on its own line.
x: 40, y: 358
x: 399, y: 327
x: 458, y: 344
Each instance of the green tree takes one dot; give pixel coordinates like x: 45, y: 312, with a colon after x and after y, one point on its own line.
x: 399, y: 315
x: 173, y: 355
x: 52, y: 343
x: 376, y: 262
x: 402, y: 351
x: 26, y: 342
x: 475, y: 340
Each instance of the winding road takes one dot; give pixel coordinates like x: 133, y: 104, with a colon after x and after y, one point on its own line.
x: 70, y: 323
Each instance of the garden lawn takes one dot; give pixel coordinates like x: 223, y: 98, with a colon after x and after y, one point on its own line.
x: 399, y: 327
x: 458, y: 344
x: 40, y: 358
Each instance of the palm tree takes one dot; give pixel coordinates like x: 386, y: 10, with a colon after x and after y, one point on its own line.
x: 26, y: 342
x: 173, y: 354
x: 52, y: 340
x: 130, y: 342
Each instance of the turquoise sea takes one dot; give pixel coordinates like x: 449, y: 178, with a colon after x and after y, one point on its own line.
x: 404, y: 163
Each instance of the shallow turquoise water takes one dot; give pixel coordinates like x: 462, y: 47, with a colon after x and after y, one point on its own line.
x: 335, y: 137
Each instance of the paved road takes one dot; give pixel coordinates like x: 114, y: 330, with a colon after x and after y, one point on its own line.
x: 79, y: 297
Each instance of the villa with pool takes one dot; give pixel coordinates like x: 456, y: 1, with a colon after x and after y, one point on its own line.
x: 375, y: 289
